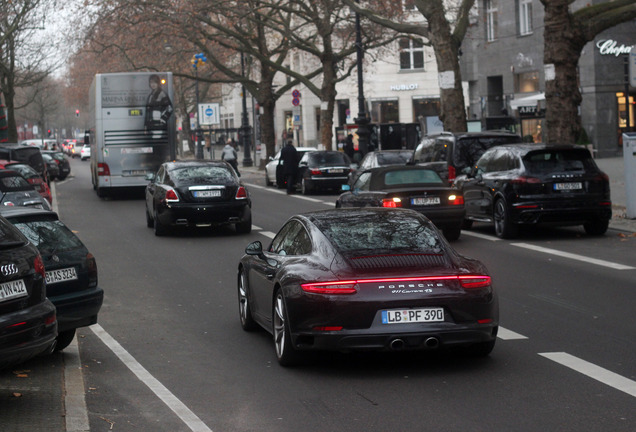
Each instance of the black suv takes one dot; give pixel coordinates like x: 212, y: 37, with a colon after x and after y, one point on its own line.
x: 520, y: 184
x: 28, y: 325
x: 30, y: 155
x: 449, y: 153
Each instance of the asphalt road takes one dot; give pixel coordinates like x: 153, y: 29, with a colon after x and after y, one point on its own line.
x: 168, y: 353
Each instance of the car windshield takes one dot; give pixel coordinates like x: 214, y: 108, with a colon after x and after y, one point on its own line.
x: 394, y: 158
x: 558, y: 161
x: 328, y: 159
x: 380, y: 233
x: 14, y: 183
x: 49, y: 235
x: 201, y: 174
x: 411, y: 177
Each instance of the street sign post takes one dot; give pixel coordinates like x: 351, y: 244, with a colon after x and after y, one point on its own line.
x: 209, y: 114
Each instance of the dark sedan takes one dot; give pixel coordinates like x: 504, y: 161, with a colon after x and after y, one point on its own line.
x: 411, y: 187
x: 365, y: 279
x: 380, y: 158
x: 28, y: 326
x: 197, y: 194
x: 62, y: 162
x: 15, y: 190
x: 71, y: 270
x: 530, y: 184
x: 323, y: 170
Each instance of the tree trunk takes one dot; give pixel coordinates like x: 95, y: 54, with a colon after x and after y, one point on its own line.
x: 562, y: 50
x: 328, y: 95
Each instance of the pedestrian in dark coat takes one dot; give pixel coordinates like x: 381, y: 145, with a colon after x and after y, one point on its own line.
x: 289, y: 160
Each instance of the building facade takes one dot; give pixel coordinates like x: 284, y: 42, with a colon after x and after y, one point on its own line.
x: 502, y: 62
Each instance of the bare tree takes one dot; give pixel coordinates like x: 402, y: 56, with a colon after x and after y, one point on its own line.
x: 444, y: 26
x: 565, y: 35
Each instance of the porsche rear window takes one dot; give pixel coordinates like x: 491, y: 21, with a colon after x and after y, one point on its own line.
x: 384, y: 232
x: 559, y: 161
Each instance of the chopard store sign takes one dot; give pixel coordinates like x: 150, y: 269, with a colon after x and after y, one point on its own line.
x: 611, y: 47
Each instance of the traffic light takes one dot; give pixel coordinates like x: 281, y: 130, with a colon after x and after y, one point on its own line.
x: 49, y: 132
x: 76, y: 113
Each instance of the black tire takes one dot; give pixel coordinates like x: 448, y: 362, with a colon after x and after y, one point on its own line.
x: 481, y: 349
x: 304, y: 187
x: 245, y: 312
x: 64, y: 339
x: 160, y: 229
x: 245, y: 226
x: 596, y: 227
x: 285, y: 352
x: 504, y: 228
x: 452, y: 233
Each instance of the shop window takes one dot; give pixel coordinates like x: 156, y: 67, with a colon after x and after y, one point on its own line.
x: 386, y: 111
x: 525, y: 17
x: 425, y: 108
x: 622, y: 112
x: 492, y: 13
x: 527, y: 82
x: 411, y: 54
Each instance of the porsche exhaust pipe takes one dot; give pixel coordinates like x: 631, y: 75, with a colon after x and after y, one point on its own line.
x: 431, y: 343
x: 397, y: 344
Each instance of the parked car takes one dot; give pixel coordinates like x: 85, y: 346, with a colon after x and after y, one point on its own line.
x: 323, y: 170
x: 46, y: 143
x: 31, y: 176
x: 51, y: 166
x: 411, y: 187
x: 70, y: 269
x: 61, y: 161
x: 365, y: 279
x: 28, y: 154
x: 72, y: 149
x: 197, y: 193
x: 529, y: 184
x: 449, y: 153
x: 28, y: 325
x: 15, y: 190
x: 274, y: 172
x: 380, y: 158
x: 85, y: 152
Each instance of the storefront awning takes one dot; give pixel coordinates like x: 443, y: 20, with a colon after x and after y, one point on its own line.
x: 531, y: 100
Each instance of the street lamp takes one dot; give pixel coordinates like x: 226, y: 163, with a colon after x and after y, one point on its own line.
x: 362, y: 120
x: 246, y: 131
x: 198, y: 60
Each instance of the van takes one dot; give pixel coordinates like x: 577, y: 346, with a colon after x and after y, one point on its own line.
x: 450, y: 153
x: 30, y: 155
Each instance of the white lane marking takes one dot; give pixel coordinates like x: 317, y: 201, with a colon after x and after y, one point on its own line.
x: 505, y: 334
x: 268, y: 234
x: 574, y: 256
x: 282, y: 192
x: 256, y: 228
x: 596, y: 372
x: 183, y: 412
x: 481, y: 236
x: 76, y: 415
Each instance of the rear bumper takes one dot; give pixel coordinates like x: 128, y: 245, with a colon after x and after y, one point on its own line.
x: 559, y: 213
x: 204, y: 214
x: 24, y: 334
x: 315, y: 182
x: 445, y: 217
x: 78, y: 309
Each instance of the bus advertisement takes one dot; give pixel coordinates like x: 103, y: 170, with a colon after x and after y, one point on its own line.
x: 132, y: 130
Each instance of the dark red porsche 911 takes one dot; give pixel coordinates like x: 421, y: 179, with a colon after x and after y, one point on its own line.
x: 365, y: 279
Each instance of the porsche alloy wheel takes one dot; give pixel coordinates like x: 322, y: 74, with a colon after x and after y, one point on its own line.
x: 504, y: 228
x: 247, y: 322
x: 285, y: 352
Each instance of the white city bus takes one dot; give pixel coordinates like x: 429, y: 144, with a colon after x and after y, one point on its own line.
x: 132, y: 130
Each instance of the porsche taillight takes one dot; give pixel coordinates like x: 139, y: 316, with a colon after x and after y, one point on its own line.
x: 474, y: 281
x: 337, y: 287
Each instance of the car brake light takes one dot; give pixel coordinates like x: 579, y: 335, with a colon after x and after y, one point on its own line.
x: 327, y: 328
x: 91, y: 265
x: 49, y: 320
x: 171, y: 196
x: 392, y: 202
x: 451, y: 173
x: 525, y: 180
x: 338, y: 287
x: 9, y: 204
x: 455, y: 199
x: 315, y: 172
x: 38, y: 266
x: 103, y: 169
x: 241, y: 193
x: 474, y: 281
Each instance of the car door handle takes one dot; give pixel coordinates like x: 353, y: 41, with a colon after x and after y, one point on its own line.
x: 270, y: 275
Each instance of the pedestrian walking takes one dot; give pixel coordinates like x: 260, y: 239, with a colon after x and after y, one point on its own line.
x: 228, y: 154
x: 289, y: 160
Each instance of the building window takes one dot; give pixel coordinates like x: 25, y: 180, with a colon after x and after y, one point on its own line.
x: 411, y: 54
x: 527, y: 82
x: 622, y: 110
x: 385, y: 111
x: 491, y: 20
x: 525, y: 17
x: 425, y: 108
